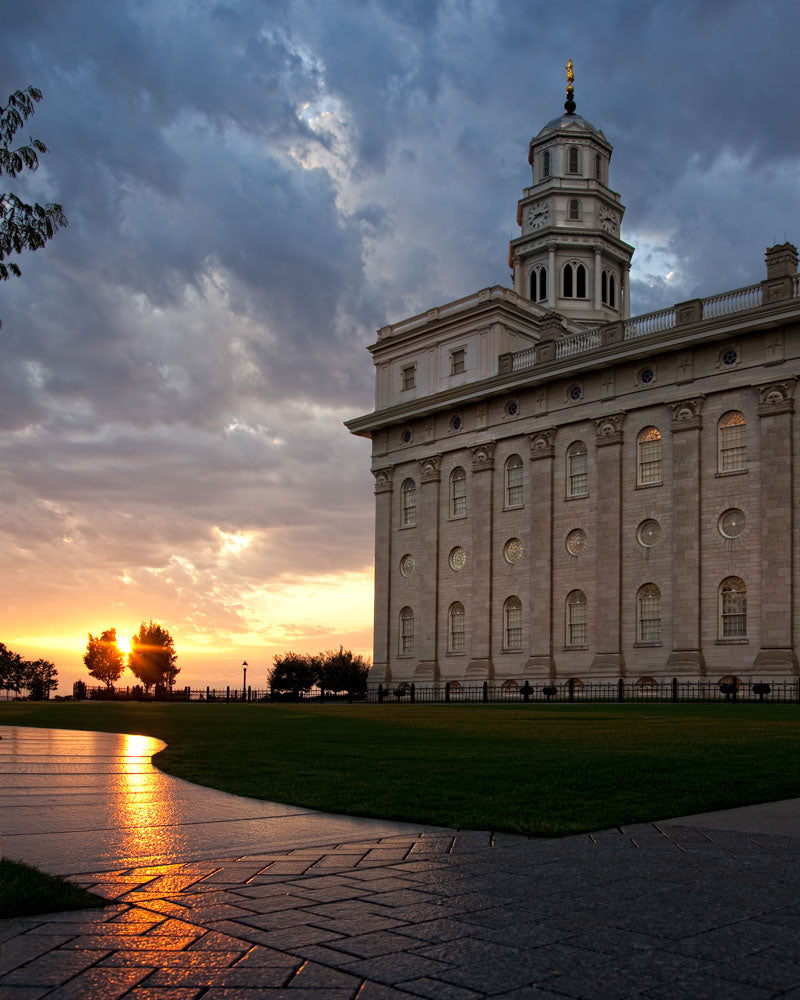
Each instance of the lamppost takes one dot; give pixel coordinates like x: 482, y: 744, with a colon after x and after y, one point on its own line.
x: 244, y: 679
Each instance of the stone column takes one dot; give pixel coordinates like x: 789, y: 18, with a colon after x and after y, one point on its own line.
x: 427, y: 601
x: 552, y: 277
x: 598, y: 275
x: 626, y: 291
x: 481, y: 515
x: 541, y: 662
x: 382, y: 670
x: 775, y: 409
x: 604, y: 619
x: 686, y: 656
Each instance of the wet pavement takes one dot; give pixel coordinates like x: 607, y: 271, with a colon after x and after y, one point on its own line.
x: 663, y: 911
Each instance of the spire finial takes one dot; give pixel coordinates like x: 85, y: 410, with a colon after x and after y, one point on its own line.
x: 569, y: 104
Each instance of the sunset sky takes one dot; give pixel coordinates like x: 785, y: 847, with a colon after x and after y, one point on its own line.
x: 253, y: 188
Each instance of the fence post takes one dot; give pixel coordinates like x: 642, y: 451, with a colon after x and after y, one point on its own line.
x: 571, y: 689
x: 674, y: 688
x: 620, y: 690
x: 485, y: 691
x: 413, y: 693
x: 228, y: 693
x: 735, y: 686
x: 380, y: 694
x: 447, y: 693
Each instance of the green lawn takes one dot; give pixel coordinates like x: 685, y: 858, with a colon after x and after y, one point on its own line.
x: 25, y: 891
x: 545, y: 770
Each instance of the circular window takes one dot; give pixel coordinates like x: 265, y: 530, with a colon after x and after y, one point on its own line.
x: 458, y: 558
x: 576, y: 542
x: 730, y: 357
x: 575, y: 393
x: 512, y: 408
x: 648, y: 533
x: 647, y: 375
x: 512, y: 550
x: 457, y: 423
x: 405, y: 436
x: 732, y: 523
x: 407, y: 565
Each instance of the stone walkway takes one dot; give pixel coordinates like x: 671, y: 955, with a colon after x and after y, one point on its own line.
x: 667, y: 911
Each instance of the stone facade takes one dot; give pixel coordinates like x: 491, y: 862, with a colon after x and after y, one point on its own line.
x: 555, y: 501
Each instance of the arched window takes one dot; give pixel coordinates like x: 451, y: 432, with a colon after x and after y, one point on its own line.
x: 574, y: 208
x: 612, y: 291
x: 539, y: 284
x: 576, y: 618
x: 732, y: 609
x: 731, y: 444
x: 568, y: 293
x: 604, y: 286
x: 598, y: 167
x: 648, y: 614
x: 574, y: 160
x: 406, y: 631
x: 648, y: 465
x: 546, y: 163
x: 409, y: 512
x: 580, y: 282
x: 458, y: 492
x: 455, y: 629
x: 514, y: 470
x: 577, y: 469
x: 512, y: 623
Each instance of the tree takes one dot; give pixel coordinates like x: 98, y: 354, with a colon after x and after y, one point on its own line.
x: 41, y: 677
x: 12, y: 670
x: 152, y: 657
x: 103, y: 657
x: 341, y: 671
x: 294, y: 672
x: 22, y: 226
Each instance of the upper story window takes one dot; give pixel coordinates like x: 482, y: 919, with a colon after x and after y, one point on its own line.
x: 648, y: 457
x: 648, y: 608
x: 577, y: 469
x: 406, y: 631
x: 732, y: 609
x: 573, y: 160
x: 512, y: 623
x: 455, y: 629
x: 598, y: 167
x: 730, y: 441
x: 608, y: 289
x: 577, y: 618
x: 409, y: 377
x: 514, y: 468
x: 574, y: 280
x: 458, y: 492
x: 574, y: 209
x: 546, y: 163
x: 458, y: 361
x: 539, y: 284
x: 409, y: 498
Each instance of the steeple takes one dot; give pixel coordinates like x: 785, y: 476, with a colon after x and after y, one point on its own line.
x: 570, y: 256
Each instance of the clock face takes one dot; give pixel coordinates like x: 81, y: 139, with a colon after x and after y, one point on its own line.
x: 608, y: 221
x: 538, y: 215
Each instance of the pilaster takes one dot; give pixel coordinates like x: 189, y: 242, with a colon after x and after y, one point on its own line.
x: 481, y: 514
x: 381, y: 666
x: 427, y: 602
x: 541, y: 663
x: 605, y: 635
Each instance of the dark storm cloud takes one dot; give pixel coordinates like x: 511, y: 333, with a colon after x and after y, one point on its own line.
x: 253, y: 187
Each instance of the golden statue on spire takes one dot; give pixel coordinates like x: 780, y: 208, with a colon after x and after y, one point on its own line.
x: 570, y: 74
x: 569, y: 104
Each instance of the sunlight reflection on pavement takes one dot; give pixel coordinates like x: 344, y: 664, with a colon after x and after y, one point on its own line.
x: 75, y: 801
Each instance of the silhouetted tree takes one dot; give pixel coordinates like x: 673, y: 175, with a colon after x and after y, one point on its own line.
x: 41, y: 677
x: 294, y: 672
x: 103, y: 657
x: 22, y: 226
x: 341, y: 671
x: 152, y: 657
x: 12, y: 670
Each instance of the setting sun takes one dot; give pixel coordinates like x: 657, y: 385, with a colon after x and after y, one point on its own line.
x: 124, y: 645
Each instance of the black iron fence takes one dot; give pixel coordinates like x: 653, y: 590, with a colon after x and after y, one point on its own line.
x: 455, y: 692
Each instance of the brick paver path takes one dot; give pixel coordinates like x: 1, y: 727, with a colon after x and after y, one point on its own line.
x: 659, y: 912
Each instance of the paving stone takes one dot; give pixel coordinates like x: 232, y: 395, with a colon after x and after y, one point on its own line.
x: 312, y: 975
x: 162, y: 993
x: 156, y: 959
x: 768, y: 968
x: 261, y: 977
x: 434, y: 931
x: 52, y: 968
x: 377, y: 991
x: 23, y: 992
x: 435, y: 989
x: 392, y: 969
x: 100, y: 984
x: 24, y: 947
x: 707, y: 988
x: 256, y: 993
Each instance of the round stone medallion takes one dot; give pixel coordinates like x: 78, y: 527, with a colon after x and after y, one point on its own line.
x: 648, y: 533
x: 732, y: 523
x: 407, y: 565
x: 512, y: 550
x: 458, y: 558
x: 576, y: 542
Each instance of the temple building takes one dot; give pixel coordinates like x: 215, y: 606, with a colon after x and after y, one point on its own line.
x: 564, y: 491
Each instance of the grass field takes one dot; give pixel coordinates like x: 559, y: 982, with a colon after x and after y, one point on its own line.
x: 25, y: 891
x: 545, y: 770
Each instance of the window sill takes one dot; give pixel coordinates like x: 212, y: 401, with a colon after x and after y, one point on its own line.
x: 730, y: 472
x: 456, y: 517
x: 515, y: 506
x: 451, y: 652
x: 512, y: 649
x: 731, y: 642
x: 405, y: 527
x: 649, y: 486
x: 570, y: 649
x: 647, y: 645
x: 405, y: 656
x: 576, y: 496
